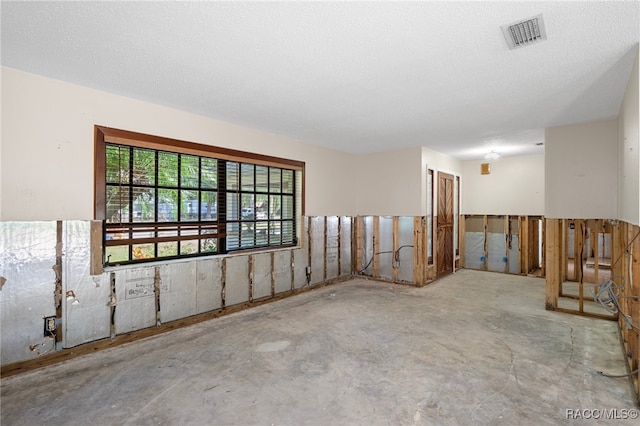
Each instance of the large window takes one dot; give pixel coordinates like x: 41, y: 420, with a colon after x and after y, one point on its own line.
x: 161, y: 198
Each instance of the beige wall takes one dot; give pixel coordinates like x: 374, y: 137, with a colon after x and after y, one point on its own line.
x: 629, y: 150
x: 388, y: 183
x: 47, y: 148
x: 515, y: 186
x: 581, y: 164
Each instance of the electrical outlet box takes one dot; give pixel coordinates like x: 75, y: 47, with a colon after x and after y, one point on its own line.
x: 49, y: 326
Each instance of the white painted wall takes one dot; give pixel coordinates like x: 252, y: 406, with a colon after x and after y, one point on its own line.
x: 515, y: 186
x: 47, y: 148
x: 439, y: 163
x: 629, y: 150
x: 388, y: 183
x: 581, y: 164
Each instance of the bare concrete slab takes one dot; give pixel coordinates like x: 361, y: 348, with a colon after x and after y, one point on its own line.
x: 472, y: 348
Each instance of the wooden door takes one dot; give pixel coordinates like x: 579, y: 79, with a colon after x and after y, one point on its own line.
x: 445, y: 223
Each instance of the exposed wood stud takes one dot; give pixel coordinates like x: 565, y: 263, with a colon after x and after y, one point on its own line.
x: 553, y: 240
x: 376, y: 245
x: 395, y: 244
x: 485, y: 227
x: 462, y: 241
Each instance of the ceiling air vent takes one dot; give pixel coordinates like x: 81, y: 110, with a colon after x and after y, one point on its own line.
x: 525, y: 32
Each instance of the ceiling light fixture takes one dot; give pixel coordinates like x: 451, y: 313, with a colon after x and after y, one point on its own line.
x: 492, y: 155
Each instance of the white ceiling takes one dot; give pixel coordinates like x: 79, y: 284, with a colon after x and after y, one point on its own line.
x: 357, y: 77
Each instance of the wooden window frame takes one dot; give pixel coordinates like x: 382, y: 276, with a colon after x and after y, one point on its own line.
x: 194, y: 229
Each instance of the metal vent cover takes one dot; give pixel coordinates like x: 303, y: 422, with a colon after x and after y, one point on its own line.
x: 525, y: 33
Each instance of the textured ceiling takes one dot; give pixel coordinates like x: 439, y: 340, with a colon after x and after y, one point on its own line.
x: 357, y: 77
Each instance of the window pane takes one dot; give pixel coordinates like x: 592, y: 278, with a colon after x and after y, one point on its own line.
x: 115, y: 254
x: 117, y: 204
x: 117, y: 164
x: 247, y: 235
x: 233, y: 234
x: 274, y: 233
x: 233, y: 206
x: 143, y: 251
x: 208, y: 205
x: 287, y: 207
x: 247, y: 177
x: 167, y: 169
x: 275, y: 205
x: 143, y: 205
x: 208, y: 173
x: 275, y: 179
x: 287, y: 232
x: 262, y: 206
x: 167, y: 205
x: 189, y: 205
x: 168, y: 249
x: 248, y: 207
x: 288, y: 183
x: 144, y: 167
x: 232, y: 176
x: 189, y: 246
x: 262, y: 233
x: 189, y: 171
x: 209, y: 245
x: 262, y: 179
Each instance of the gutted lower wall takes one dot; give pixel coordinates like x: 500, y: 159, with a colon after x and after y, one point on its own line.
x: 46, y: 274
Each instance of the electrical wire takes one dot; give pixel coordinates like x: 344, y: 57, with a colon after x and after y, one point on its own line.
x: 396, y: 256
x: 608, y: 296
x: 618, y: 375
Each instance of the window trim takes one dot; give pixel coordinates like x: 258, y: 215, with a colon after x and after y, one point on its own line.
x: 106, y: 135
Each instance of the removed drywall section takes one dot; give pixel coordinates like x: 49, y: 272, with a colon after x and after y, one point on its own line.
x: 581, y: 163
x: 27, y: 257
x: 629, y: 149
x: 85, y: 309
x: 514, y: 187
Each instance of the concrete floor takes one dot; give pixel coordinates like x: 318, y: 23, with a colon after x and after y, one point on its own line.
x: 472, y: 348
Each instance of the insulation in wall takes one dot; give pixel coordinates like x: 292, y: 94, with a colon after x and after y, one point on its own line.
x: 237, y: 280
x: 282, y: 274
x: 345, y: 246
x: 208, y: 285
x: 474, y: 250
x: 385, y: 248
x: 604, y: 245
x: 27, y: 257
x: 301, y: 262
x: 333, y: 247
x: 261, y: 275
x: 496, y: 244
x: 514, y: 255
x: 177, y: 290
x: 406, y: 249
x: 85, y: 309
x: 317, y: 246
x: 135, y: 299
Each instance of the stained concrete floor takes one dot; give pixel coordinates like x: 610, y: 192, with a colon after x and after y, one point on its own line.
x: 473, y: 348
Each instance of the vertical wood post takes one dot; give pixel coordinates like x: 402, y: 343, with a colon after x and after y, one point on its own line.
x: 553, y: 261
